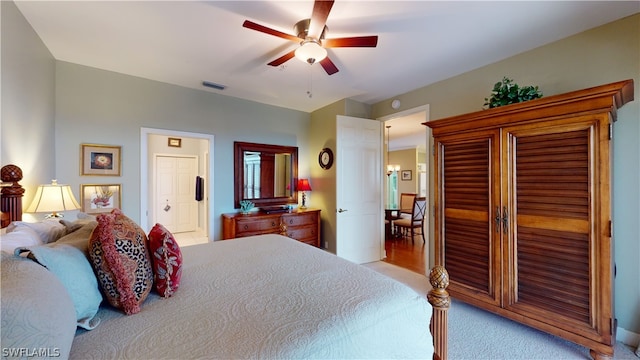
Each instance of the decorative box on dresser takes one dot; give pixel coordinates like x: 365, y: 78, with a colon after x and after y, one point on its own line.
x: 523, y: 211
x: 302, y: 225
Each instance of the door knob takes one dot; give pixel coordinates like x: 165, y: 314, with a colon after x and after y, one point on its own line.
x: 341, y: 210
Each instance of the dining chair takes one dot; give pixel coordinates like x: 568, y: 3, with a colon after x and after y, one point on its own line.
x: 409, y: 225
x: 406, y: 202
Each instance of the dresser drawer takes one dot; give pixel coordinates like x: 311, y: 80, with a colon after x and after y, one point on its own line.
x: 267, y: 225
x: 304, y: 234
x: 303, y: 226
x: 298, y: 219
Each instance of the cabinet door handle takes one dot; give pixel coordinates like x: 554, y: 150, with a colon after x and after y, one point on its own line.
x: 505, y: 220
x: 497, y: 219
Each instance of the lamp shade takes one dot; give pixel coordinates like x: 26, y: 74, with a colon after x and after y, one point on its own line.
x: 53, y: 198
x: 303, y: 185
x: 392, y: 168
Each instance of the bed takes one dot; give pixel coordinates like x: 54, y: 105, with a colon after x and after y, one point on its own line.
x: 260, y: 297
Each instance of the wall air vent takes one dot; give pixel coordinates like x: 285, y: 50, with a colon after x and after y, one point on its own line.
x: 213, y: 85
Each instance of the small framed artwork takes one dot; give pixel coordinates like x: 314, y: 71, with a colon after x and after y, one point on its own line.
x: 100, y: 160
x: 406, y: 175
x: 100, y: 198
x: 175, y: 142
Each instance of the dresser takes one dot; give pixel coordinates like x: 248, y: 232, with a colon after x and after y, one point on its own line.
x: 523, y: 211
x: 302, y: 225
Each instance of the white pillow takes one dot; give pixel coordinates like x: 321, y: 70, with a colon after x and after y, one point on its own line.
x: 20, y: 237
x: 37, y: 311
x: 72, y: 268
x: 49, y: 230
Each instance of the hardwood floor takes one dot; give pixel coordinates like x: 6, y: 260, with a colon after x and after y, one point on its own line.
x: 407, y: 254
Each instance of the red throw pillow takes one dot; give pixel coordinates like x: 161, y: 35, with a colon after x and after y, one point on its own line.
x: 120, y: 258
x: 167, y: 260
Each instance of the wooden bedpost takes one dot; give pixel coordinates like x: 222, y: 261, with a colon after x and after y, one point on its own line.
x: 12, y: 192
x: 440, y: 301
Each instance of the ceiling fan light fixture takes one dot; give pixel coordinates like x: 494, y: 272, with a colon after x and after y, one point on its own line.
x: 310, y: 51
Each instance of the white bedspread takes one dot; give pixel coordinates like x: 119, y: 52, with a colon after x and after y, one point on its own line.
x: 267, y: 297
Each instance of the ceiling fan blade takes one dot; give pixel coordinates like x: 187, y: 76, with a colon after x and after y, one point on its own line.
x: 328, y: 66
x: 282, y: 59
x: 358, y: 41
x: 321, y: 9
x: 253, y: 26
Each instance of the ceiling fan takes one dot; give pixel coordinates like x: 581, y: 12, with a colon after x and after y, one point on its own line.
x: 310, y: 33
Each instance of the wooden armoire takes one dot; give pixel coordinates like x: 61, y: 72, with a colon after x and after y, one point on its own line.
x: 523, y: 211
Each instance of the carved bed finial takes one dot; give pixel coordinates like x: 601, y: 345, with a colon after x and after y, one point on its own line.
x: 439, y: 298
x: 439, y: 279
x: 11, y: 173
x: 11, y: 202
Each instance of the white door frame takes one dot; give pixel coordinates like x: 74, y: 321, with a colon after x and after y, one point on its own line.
x: 428, y: 162
x: 144, y: 174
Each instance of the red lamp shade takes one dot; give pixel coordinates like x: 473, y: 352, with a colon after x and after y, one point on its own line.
x: 303, y: 185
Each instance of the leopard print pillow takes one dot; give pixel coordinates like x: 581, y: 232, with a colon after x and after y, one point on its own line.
x: 120, y: 258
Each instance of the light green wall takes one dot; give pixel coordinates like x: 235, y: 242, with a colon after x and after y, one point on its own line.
x: 50, y: 107
x: 598, y: 56
x: 27, y: 101
x: 103, y: 107
x: 323, y: 196
x: 356, y: 109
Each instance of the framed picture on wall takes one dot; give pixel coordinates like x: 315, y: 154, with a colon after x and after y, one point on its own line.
x: 100, y: 160
x: 100, y: 198
x: 406, y: 175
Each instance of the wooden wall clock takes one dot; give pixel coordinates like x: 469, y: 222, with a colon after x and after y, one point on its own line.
x: 325, y: 158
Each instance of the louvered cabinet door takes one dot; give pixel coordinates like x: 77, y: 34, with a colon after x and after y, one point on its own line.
x: 543, y: 207
x: 466, y: 195
x: 558, y: 262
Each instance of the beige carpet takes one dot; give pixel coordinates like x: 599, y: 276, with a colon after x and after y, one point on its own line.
x: 479, y: 334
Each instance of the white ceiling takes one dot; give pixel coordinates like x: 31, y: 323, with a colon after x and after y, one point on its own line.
x: 406, y: 132
x: 420, y: 42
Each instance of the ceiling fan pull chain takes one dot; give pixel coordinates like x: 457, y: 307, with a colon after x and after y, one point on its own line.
x: 310, y: 83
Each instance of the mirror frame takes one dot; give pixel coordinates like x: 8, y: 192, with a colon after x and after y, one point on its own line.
x: 239, y: 148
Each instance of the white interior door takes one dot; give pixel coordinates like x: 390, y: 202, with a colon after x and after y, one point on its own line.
x: 359, y: 219
x: 175, y: 204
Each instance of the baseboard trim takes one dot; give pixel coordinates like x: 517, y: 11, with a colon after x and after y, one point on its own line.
x: 627, y: 337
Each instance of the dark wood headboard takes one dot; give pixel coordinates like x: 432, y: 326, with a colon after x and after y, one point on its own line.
x: 11, y: 195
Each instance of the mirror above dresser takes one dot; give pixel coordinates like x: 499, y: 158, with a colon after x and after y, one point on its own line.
x: 265, y: 174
